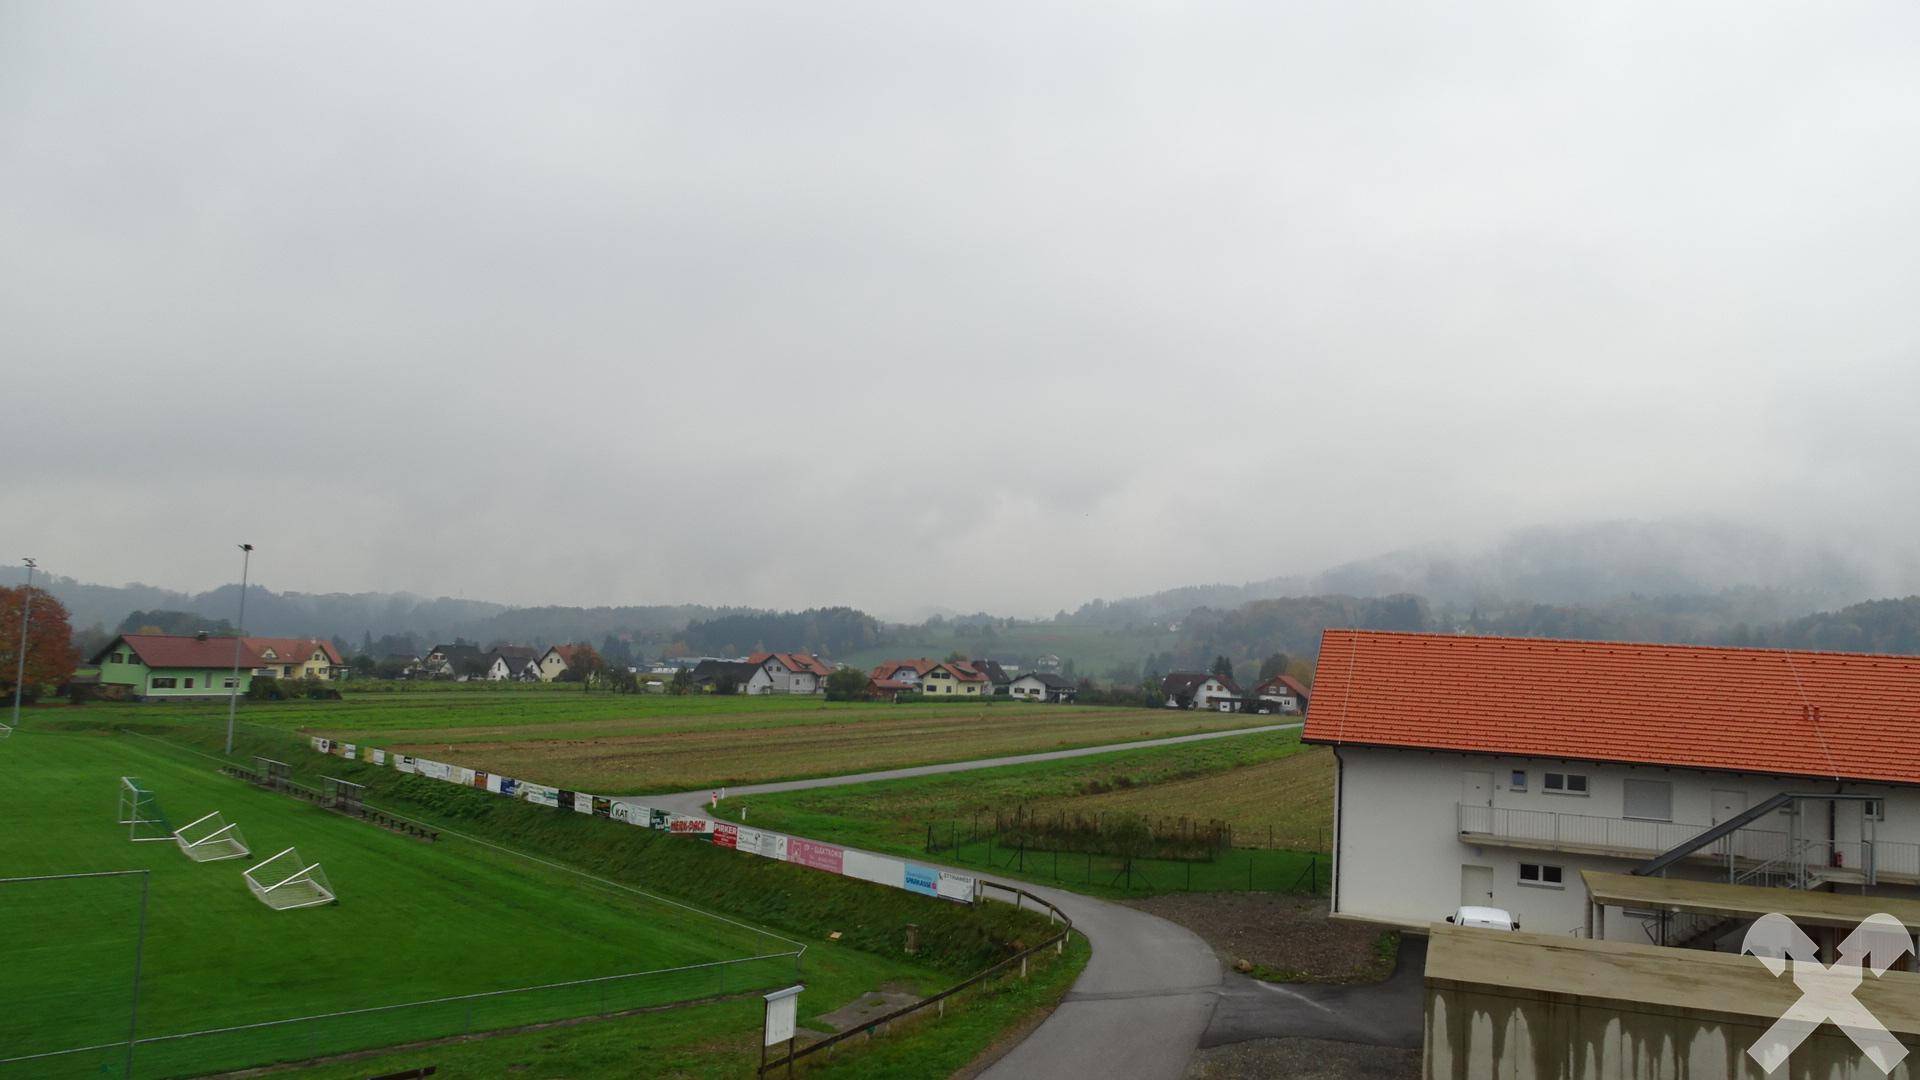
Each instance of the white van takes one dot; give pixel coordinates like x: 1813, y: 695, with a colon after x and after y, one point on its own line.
x: 1488, y: 918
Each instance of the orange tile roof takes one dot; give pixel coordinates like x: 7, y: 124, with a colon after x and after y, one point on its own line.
x: 295, y: 650
x: 1852, y: 716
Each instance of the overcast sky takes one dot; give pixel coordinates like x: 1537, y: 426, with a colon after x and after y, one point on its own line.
x: 969, y: 305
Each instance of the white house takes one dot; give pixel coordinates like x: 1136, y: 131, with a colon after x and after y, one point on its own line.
x: 511, y: 662
x: 1042, y: 686
x: 1199, y: 690
x: 1281, y: 693
x: 789, y: 673
x: 1501, y: 771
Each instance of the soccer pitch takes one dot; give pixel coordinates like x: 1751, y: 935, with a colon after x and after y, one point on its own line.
x: 455, y: 923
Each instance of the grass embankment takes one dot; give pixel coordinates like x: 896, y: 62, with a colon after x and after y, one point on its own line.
x: 632, y: 744
x: 1256, y: 783
x: 954, y: 940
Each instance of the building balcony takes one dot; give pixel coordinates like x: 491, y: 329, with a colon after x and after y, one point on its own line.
x: 1839, y: 861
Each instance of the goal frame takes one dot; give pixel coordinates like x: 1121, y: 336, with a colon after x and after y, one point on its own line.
x: 224, y: 842
x: 307, y: 873
x: 136, y: 804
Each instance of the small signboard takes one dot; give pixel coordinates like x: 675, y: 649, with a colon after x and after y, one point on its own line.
x: 783, y: 1007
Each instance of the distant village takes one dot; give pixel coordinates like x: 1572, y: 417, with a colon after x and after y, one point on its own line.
x: 148, y: 666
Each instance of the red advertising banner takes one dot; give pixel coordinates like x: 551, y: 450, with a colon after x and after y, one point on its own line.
x: 725, y: 835
x: 819, y: 856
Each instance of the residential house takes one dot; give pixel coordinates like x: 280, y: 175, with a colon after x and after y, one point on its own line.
x: 157, y: 666
x: 451, y: 661
x: 997, y: 675
x: 1282, y: 693
x: 553, y: 662
x: 907, y: 672
x: 954, y: 678
x: 1043, y: 686
x: 1200, y: 690
x: 297, y: 658
x: 512, y: 662
x: 889, y: 689
x: 739, y: 675
x: 1663, y: 793
x: 791, y: 673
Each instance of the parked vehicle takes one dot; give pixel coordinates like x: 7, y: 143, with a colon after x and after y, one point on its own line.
x: 1488, y: 918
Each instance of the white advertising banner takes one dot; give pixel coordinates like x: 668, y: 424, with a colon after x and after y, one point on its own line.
x: 459, y: 775
x: 582, y: 803
x: 540, y: 794
x: 762, y: 843
x: 321, y: 745
x: 493, y: 782
x: 404, y: 763
x: 955, y: 887
x: 875, y: 868
x: 631, y: 813
x: 437, y: 770
x: 378, y: 757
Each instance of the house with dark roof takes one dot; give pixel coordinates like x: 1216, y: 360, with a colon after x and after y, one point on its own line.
x: 511, y: 662
x: 725, y: 676
x: 160, y: 666
x: 1043, y: 686
x: 1201, y: 690
x: 1281, y: 694
x: 452, y: 661
x: 1649, y: 793
x: 997, y: 675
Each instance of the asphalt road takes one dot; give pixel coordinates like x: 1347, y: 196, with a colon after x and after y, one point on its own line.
x: 1147, y: 994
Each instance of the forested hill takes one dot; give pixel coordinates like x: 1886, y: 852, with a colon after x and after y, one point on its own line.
x: 1881, y: 626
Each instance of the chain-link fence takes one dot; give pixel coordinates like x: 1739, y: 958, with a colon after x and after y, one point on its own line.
x: 1222, y: 870
x: 216, y: 1048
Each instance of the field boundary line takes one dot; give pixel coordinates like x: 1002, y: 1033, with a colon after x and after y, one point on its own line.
x: 530, y: 858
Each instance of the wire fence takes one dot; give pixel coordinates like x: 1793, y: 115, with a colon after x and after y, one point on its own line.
x: 1229, y: 870
x: 302, y: 1038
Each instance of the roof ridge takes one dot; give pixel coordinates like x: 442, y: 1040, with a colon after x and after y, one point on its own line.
x: 1677, y: 646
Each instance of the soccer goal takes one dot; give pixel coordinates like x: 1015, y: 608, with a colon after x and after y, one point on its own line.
x: 211, y: 839
x: 140, y: 812
x: 287, y: 881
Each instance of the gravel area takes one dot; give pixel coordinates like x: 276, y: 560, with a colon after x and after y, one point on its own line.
x: 1304, y: 1059
x: 1287, y: 938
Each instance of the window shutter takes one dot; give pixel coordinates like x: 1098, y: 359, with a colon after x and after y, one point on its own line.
x: 1649, y: 799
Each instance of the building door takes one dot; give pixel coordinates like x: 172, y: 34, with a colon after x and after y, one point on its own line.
x: 1726, y: 806
x: 1476, y: 788
x: 1476, y: 885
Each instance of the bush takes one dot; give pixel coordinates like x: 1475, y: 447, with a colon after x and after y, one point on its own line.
x: 265, y: 688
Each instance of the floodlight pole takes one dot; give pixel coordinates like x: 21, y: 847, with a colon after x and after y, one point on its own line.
x: 239, y: 638
x: 139, y: 948
x: 20, y: 667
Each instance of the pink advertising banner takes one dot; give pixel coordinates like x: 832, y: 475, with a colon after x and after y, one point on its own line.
x: 819, y: 856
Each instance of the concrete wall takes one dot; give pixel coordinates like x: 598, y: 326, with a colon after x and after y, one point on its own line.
x: 1399, y: 855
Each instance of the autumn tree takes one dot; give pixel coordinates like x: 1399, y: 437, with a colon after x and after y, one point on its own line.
x: 51, y: 656
x: 585, y: 665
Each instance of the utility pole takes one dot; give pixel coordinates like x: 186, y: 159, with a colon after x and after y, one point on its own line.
x: 239, y: 638
x: 20, y: 667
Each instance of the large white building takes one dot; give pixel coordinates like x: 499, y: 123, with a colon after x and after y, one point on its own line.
x: 1494, y: 771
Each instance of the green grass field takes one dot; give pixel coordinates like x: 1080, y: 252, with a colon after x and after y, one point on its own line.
x: 1275, y: 792
x: 635, y: 744
x: 415, y: 921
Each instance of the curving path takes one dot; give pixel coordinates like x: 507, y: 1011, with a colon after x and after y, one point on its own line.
x: 1147, y: 994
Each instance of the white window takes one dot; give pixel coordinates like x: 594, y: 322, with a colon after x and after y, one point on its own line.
x: 1649, y: 800
x: 1518, y: 782
x: 1874, y: 809
x: 1542, y: 875
x: 1565, y: 783
x: 228, y: 682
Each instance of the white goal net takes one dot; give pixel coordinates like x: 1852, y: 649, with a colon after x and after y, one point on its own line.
x: 211, y: 839
x: 140, y: 812
x: 286, y: 881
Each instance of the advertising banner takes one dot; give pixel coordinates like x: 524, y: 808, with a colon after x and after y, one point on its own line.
x: 404, y: 763
x: 346, y: 751
x: 493, y: 782
x: 819, y: 856
x: 540, y: 794
x: 875, y: 868
x: 321, y: 745
x: 658, y: 819
x: 759, y: 842
x: 481, y: 781
x: 683, y: 825
x: 924, y: 880
x: 459, y: 774
x: 602, y: 806
x: 509, y: 786
x: 433, y: 769
x: 725, y: 835
x: 631, y: 813
x: 377, y: 756
x: 582, y: 803
x: 955, y: 887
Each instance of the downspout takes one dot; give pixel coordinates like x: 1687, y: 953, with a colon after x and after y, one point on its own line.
x: 1339, y: 794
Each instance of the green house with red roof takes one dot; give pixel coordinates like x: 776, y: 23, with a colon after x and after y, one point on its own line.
x: 161, y: 666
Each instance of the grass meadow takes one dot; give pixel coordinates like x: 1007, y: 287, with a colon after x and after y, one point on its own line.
x: 415, y: 921
x: 626, y: 744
